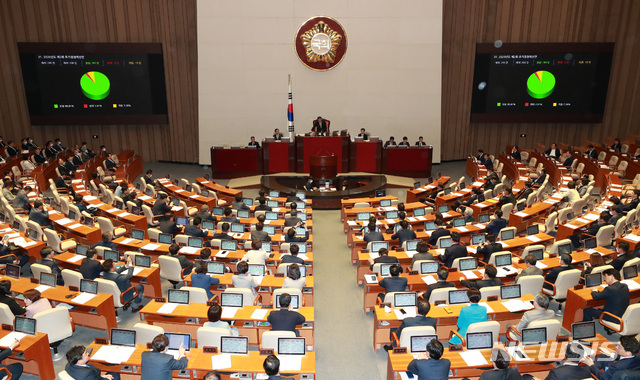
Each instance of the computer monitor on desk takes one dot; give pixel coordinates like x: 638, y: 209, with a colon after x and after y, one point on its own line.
x: 292, y: 346
x: 533, y: 229
x: 137, y: 234
x: 429, y: 267
x: 385, y: 202
x: 142, y: 261
x: 176, y: 340
x: 231, y: 299
x: 484, y: 218
x: 419, y: 211
x: 507, y: 235
x: 478, y: 239
x: 405, y: 299
x: 89, y: 286
x: 123, y: 337
x: 165, y: 238
x: 468, y: 263
x: 510, y: 291
x: 479, y: 341
x: 419, y: 342
x: 238, y: 345
x: 376, y: 246
x: 536, y: 335
x: 178, y: 296
x: 583, y: 330
x: 12, y: 271
x: 302, y: 247
x: 195, y: 242
x: 257, y: 270
x: 229, y: 245
x: 590, y: 243
x: 502, y: 259
x: 537, y: 253
x: 412, y: 245
x: 295, y: 301
x: 215, y: 267
x: 385, y: 269
x: 593, y: 279
x: 458, y: 296
x: 25, y: 325
x: 48, y: 279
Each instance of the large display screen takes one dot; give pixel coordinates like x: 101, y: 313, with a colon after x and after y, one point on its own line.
x: 94, y: 83
x: 541, y: 82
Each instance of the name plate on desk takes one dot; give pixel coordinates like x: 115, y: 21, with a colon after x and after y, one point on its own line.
x: 455, y: 347
x: 100, y: 341
x: 74, y: 289
x: 161, y: 299
x: 267, y: 352
x: 7, y: 327
x: 210, y: 350
x: 400, y: 350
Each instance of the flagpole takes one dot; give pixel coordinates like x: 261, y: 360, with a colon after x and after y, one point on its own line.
x: 290, y: 112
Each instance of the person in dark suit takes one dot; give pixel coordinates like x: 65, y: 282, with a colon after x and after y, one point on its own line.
x: 501, y: 369
x: 293, y: 219
x: 455, y: 251
x: 591, y: 152
x: 238, y: 204
x: 271, y: 367
x: 168, y: 224
x: 308, y: 186
x: 78, y: 367
x: 420, y: 142
x: 161, y: 206
x: 157, y: 364
x: 285, y: 319
x: 259, y: 233
x: 383, y: 258
x: 291, y: 236
x: 113, y: 273
x: 616, y: 296
x: 541, y: 178
x: 515, y: 153
x: 11, y: 150
x: 635, y: 199
x: 321, y: 126
x: 277, y: 135
x: 552, y: 275
x: 423, y: 253
x: 202, y: 280
x: 490, y: 273
x: 526, y: 191
x: 390, y: 142
x: 488, y: 163
x: 497, y: 224
x: 487, y: 249
x: 439, y: 232
x: 616, y: 145
x: 110, y: 163
x: 253, y: 142
x: 194, y: 229
x: 507, y: 196
x: 624, y: 358
x: 5, y: 298
x: 16, y: 368
x: 372, y: 234
x: 184, y: 262
x: 224, y: 232
x: 262, y: 205
x: 553, y: 152
x: 404, y: 234
x: 603, y: 220
x: 623, y: 256
x: 616, y: 214
x: 443, y: 274
x: 480, y: 156
x: 227, y: 217
x: 394, y: 283
x: 90, y: 267
x: 39, y: 215
x: 205, y: 214
x: 430, y: 364
x: 404, y: 142
x: 419, y: 320
x: 47, y: 260
x: 148, y: 178
x: 292, y: 257
x: 570, y: 369
x: 106, y: 242
x: 77, y: 158
x: 49, y: 151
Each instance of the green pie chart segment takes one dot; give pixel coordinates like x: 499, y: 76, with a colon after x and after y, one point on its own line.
x: 95, y: 85
x: 541, y: 84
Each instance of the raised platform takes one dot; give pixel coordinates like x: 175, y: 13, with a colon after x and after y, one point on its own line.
x: 253, y: 182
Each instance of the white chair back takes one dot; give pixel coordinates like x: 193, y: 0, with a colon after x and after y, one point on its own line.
x: 531, y: 284
x: 210, y: 336
x: 197, y: 295
x: 71, y: 277
x: 145, y: 333
x: 408, y: 332
x: 269, y: 339
x: 553, y: 327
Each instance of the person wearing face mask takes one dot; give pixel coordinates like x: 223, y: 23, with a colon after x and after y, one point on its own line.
x: 57, y: 145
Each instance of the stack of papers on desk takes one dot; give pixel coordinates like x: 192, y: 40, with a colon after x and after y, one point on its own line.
x: 115, y: 209
x: 506, y: 270
x: 635, y: 238
x: 42, y: 288
x: 374, y: 255
x: 89, y: 198
x: 229, y: 312
x: 189, y: 250
x: 221, y: 361
x: 521, y: 214
x: 64, y: 221
x: 151, y: 247
x: 631, y: 284
x: 541, y: 265
x: 504, y: 245
x: 429, y: 280
x: 517, y: 353
x: 533, y: 238
x: 259, y: 313
x: 123, y: 214
x: 9, y: 338
x: 113, y: 354
x: 290, y: 362
x: 167, y: 308
x: 144, y: 197
x: 473, y: 358
x: 517, y: 305
x: 75, y: 258
x: 472, y: 249
x: 371, y: 278
x: 412, y: 219
x: 477, y: 184
x: 137, y: 270
x: 479, y: 225
x: 409, y: 312
x: 583, y: 220
x: 76, y: 225
x: 390, y: 221
x: 176, y: 208
x: 222, y: 253
x: 489, y: 308
x: 421, y: 218
x: 469, y: 275
x: 463, y: 229
x: 440, y: 251
x: 349, y: 223
x: 83, y: 298
x: 446, y: 215
x: 591, y: 216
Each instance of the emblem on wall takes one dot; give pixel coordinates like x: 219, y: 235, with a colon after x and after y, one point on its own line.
x: 321, y: 43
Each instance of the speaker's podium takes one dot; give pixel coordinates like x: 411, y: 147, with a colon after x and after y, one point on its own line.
x: 323, y: 167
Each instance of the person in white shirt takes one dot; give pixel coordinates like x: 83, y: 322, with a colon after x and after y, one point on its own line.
x: 257, y: 255
x: 34, y: 303
x: 572, y: 194
x: 214, y: 314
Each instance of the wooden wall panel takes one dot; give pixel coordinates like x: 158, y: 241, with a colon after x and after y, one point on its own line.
x: 467, y: 22
x: 170, y: 22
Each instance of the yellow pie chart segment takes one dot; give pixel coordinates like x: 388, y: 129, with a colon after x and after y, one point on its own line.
x: 95, y: 85
x: 541, y: 84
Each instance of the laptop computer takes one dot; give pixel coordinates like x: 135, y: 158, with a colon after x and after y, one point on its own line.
x: 419, y: 211
x: 175, y: 202
x: 630, y: 272
x: 88, y: 221
x: 385, y: 202
x: 301, y: 205
x: 507, y: 235
x: 231, y: 299
x: 419, y: 342
x: 33, y: 234
x: 405, y: 299
x: 25, y: 325
x: 89, y: 286
x: 111, y: 255
x: 72, y: 214
x: 215, y: 267
x: 122, y: 337
x: 478, y: 239
x: 510, y: 291
x: 480, y: 340
x: 458, y: 296
x: 583, y: 330
x: 429, y: 267
x: 385, y: 269
x: 117, y: 204
x: 229, y: 245
x: 137, y: 234
x: 459, y: 222
x: 237, y: 345
x: 443, y: 208
x: 535, y: 335
x: 295, y: 301
x: 12, y: 271
x: 165, y: 238
x: 204, y: 193
x: 182, y: 221
x: 248, y: 201
x: 292, y: 346
x: 533, y: 229
x: 484, y: 218
x: 257, y: 270
x: 48, y: 279
x: 502, y: 259
x: 178, y: 296
x: 593, y: 279
x: 445, y: 242
x: 195, y: 242
x: 142, y: 261
x: 520, y: 206
x: 376, y: 246
x: 468, y: 263
x: 175, y: 341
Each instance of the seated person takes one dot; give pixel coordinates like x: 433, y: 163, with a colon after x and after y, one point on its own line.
x: 224, y: 232
x: 291, y: 237
x: 78, y: 366
x: 497, y: 224
x: 123, y: 281
x: 5, y: 298
x: 404, y: 234
x: 253, y: 142
x: 617, y: 147
x: 34, y: 303
x: 47, y: 254
x: 404, y: 142
x: 202, y: 280
x: 227, y: 217
x: 213, y: 315
x: 106, y: 242
x: 603, y: 220
x: 552, y: 275
x: 285, y: 319
x: 256, y: 255
x: 21, y: 199
x: 439, y: 232
x: 488, y: 163
x: 308, y: 186
x: 616, y: 214
x: 271, y: 367
x: 501, y: 370
x: 205, y: 213
x: 507, y: 196
x: 468, y: 215
x: 390, y: 142
x: 7, y: 249
x: 515, y: 153
x: 570, y: 368
x: 553, y: 152
x: 540, y: 312
x: 541, y: 178
x: 372, y: 234
x: 487, y: 249
x: 262, y: 205
x: 161, y: 206
x: 293, y: 220
x: 259, y: 233
x: 420, y: 142
x: 110, y: 163
x: 423, y: 253
x: 489, y: 279
x: 174, y: 249
x: 633, y: 203
x: 623, y: 255
x: 605, y: 366
x: 39, y: 215
x: 90, y: 266
x: 242, y: 279
x: 168, y: 224
x: 394, y: 283
x: 363, y: 134
x: 616, y: 296
x: 469, y: 315
x: 238, y: 204
x: 157, y: 363
x: 531, y: 270
x: 469, y: 201
x: 419, y: 320
x: 455, y: 251
x: 277, y: 135
x: 148, y: 178
x: 292, y: 257
x: 81, y: 206
x: 443, y: 275
x: 321, y: 126
x: 195, y: 229
x: 294, y: 278
x: 430, y: 364
x: 383, y: 257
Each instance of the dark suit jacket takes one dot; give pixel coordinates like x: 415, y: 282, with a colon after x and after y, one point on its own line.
x: 184, y: 262
x: 615, y: 366
x: 160, y: 207
x: 12, y: 151
x: 40, y: 217
x: 440, y: 232
x: 569, y: 372
x: 110, y: 164
x: 552, y: 275
x: 394, y: 284
x: 51, y: 264
x: 619, y: 261
x: 77, y: 160
x: 540, y: 178
x: 90, y: 269
x: 404, y: 235
x: 516, y: 155
x: 222, y: 236
x: 488, y: 164
x: 508, y: 373
x: 384, y: 259
x: 285, y: 320
x: 321, y: 127
x: 122, y: 280
x: 592, y: 153
x: 158, y: 366
x: 194, y: 231
x: 616, y: 296
x: 525, y: 194
x: 87, y: 372
x: 438, y: 285
x: 553, y: 152
x: 488, y: 250
x: 430, y: 369
x: 16, y: 309
x: 373, y: 236
x: 452, y: 253
x: 297, y: 239
x: 239, y: 206
x: 254, y: 143
x: 109, y: 244
x: 278, y: 377
x: 262, y: 208
x: 418, y: 320
x: 496, y: 225
x: 286, y: 259
x: 631, y: 205
x: 205, y: 215
x: 169, y: 227
x: 479, y: 284
x: 147, y: 180
x: 593, y: 230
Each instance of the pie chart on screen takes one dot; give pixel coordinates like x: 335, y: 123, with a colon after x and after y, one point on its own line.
x: 541, y: 84
x: 95, y: 85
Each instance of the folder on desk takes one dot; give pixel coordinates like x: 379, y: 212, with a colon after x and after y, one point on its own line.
x: 473, y: 358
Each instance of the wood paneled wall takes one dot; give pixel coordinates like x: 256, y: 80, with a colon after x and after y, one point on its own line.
x: 467, y: 22
x: 171, y: 22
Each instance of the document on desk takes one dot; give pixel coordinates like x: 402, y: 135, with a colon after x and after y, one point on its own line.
x: 151, y: 247
x: 409, y: 312
x: 412, y: 219
x: 290, y: 362
x: 144, y: 197
x: 631, y: 284
x: 473, y: 358
x: 137, y: 270
x: 127, y: 241
x: 167, y: 308
x: 429, y: 280
x: 371, y: 278
x: 42, y: 288
x: 533, y: 238
x: 303, y: 256
x: 83, y: 298
x: 229, y: 312
x: 189, y: 250
x: 123, y: 214
x: 517, y: 305
x: 410, y: 253
x: 75, y: 225
x: 222, y: 361
x: 351, y: 223
x: 421, y: 218
x: 89, y: 198
x: 634, y: 238
x: 541, y: 265
x: 473, y: 250
x: 481, y: 226
x: 374, y: 255
x: 259, y: 313
x: 112, y: 210
x: 469, y: 275
x: 446, y: 215
x: 222, y: 253
x: 9, y: 338
x: 504, y: 245
x: 591, y: 216
x: 113, y: 354
x: 440, y: 251
x: 463, y: 229
x: 521, y: 214
x: 517, y: 353
x: 64, y: 221
x: 75, y: 258
x: 489, y: 308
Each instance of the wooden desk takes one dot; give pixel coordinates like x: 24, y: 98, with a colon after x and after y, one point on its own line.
x: 224, y: 192
x: 191, y: 199
x: 475, y: 169
x: 236, y: 162
x: 34, y: 354
x: 189, y: 318
x: 32, y: 250
x: 427, y: 190
x: 79, y: 232
x: 410, y: 162
x: 200, y: 364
